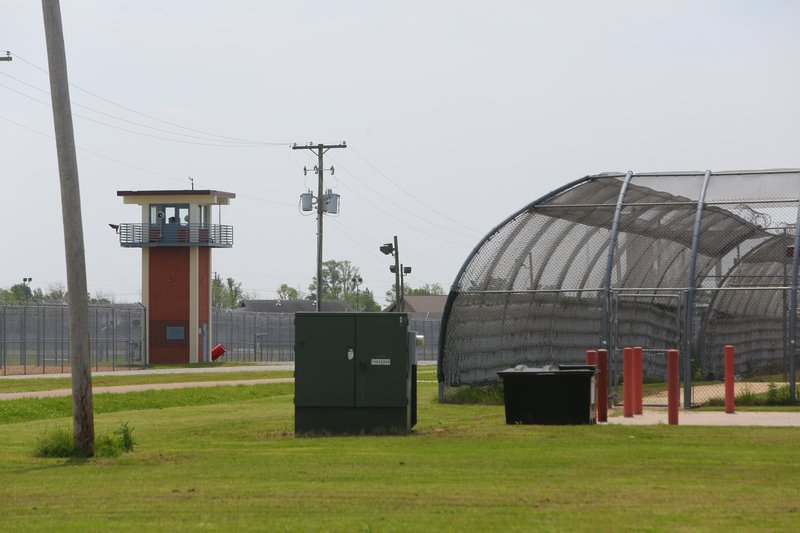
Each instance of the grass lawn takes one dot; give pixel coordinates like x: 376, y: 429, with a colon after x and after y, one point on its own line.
x: 236, y: 465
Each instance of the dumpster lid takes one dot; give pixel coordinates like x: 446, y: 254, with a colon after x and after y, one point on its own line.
x: 549, y: 369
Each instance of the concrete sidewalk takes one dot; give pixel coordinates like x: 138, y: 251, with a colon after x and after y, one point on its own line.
x: 143, y: 387
x: 146, y: 371
x: 654, y: 416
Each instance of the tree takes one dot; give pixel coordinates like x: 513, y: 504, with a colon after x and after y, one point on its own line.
x: 426, y: 290
x: 228, y: 295
x: 364, y: 301
x: 340, y: 281
x: 17, y: 293
x: 56, y: 294
x: 285, y: 292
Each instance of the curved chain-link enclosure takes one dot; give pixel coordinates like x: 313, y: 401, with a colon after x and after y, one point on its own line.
x: 683, y: 260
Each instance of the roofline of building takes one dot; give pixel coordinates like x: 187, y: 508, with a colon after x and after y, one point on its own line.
x: 190, y: 192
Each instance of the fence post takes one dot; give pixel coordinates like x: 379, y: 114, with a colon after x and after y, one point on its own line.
x: 602, y: 385
x: 627, y: 382
x: 730, y: 394
x: 673, y: 387
x: 638, y: 356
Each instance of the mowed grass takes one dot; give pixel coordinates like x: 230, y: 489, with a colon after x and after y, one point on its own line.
x: 236, y: 465
x: 41, y: 384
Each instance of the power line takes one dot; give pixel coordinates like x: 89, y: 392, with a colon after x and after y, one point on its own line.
x: 338, y: 222
x: 115, y: 117
x: 405, y: 222
x: 413, y: 196
x: 151, y: 117
x: 143, y: 134
x: 393, y: 202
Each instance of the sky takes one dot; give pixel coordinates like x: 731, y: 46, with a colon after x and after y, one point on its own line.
x: 456, y: 114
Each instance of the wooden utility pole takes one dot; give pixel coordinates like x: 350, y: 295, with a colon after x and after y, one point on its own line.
x: 319, y: 149
x: 78, y: 298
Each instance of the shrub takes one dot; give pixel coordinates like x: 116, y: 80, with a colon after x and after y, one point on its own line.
x: 55, y: 443
x: 58, y: 443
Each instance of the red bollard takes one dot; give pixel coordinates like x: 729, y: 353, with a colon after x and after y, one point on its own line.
x: 638, y: 356
x: 673, y: 387
x: 602, y: 386
x: 730, y: 371
x: 627, y: 382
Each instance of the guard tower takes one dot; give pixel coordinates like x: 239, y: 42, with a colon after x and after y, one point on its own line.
x: 176, y: 236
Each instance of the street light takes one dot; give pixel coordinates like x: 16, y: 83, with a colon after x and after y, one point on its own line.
x: 390, y: 249
x: 357, y: 282
x: 403, y: 271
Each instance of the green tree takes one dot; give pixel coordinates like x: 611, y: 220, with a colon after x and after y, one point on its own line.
x: 17, y: 293
x: 364, y: 301
x: 341, y: 281
x: 428, y: 289
x: 228, y: 294
x: 285, y: 292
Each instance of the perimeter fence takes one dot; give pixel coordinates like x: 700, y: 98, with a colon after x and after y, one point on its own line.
x: 34, y: 339
x: 251, y: 337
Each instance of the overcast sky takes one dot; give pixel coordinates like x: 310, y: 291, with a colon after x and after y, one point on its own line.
x: 456, y: 114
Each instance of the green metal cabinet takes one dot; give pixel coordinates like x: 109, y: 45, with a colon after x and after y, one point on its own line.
x: 354, y: 373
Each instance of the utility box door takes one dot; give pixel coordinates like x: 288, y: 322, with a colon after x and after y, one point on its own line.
x: 382, y: 356
x: 325, y: 348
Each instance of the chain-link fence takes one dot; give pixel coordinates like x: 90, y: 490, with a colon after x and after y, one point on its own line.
x: 34, y: 339
x: 690, y: 261
x: 251, y: 337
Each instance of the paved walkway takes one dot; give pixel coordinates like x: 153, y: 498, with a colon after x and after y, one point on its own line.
x: 146, y: 371
x: 142, y: 387
x: 655, y: 416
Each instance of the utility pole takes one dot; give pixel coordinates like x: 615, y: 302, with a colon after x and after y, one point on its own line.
x: 319, y: 149
x: 80, y: 362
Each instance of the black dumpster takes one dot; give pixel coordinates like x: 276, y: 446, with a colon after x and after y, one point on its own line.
x: 556, y: 395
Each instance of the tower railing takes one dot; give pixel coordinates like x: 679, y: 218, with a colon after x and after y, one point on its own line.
x: 174, y: 234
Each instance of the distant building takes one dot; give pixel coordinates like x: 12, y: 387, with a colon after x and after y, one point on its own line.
x: 422, y: 306
x: 294, y: 306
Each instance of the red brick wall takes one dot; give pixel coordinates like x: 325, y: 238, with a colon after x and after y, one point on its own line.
x: 169, y: 303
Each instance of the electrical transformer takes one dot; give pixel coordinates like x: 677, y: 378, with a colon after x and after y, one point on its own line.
x: 354, y: 373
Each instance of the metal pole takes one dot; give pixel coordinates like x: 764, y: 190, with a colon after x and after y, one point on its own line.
x: 319, y: 227
x: 606, y: 309
x: 82, y: 409
x: 397, y: 296
x: 402, y: 289
x: 612, y: 244
x: 793, y: 310
x: 691, y: 287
